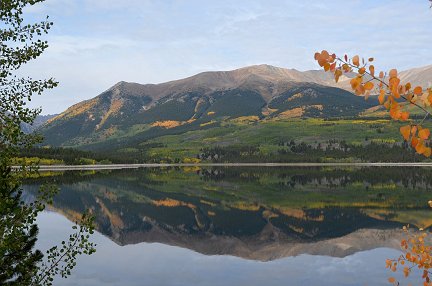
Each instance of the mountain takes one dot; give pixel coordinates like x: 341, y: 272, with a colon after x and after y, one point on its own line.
x: 421, y: 76
x: 151, y: 110
x: 38, y: 122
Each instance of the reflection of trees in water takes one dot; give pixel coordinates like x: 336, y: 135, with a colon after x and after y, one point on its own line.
x: 408, y: 177
x: 254, y: 205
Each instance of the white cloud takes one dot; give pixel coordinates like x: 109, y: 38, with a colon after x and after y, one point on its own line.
x: 96, y: 43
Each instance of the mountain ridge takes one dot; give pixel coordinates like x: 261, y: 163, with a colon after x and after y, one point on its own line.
x: 259, y: 91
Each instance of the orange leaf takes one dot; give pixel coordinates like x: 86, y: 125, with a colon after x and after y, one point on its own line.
x: 406, y: 271
x: 424, y: 133
x: 337, y: 74
x: 369, y: 85
x: 404, y: 116
x: 388, y: 261
x: 395, y: 114
x: 381, y: 96
x: 407, y: 86
x: 420, y: 148
x: 325, y: 54
x: 394, y: 82
x: 387, y: 104
x: 360, y: 90
x: 356, y: 60
x: 355, y: 82
x: 372, y: 70
x: 406, y: 132
x: 418, y: 90
x: 414, y: 142
x: 322, y: 62
x: 393, y: 73
x: 391, y: 280
x: 346, y: 68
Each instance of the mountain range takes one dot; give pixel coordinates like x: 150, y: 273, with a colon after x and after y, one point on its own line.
x: 133, y: 113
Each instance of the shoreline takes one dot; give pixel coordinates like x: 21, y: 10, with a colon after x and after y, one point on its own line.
x: 158, y: 165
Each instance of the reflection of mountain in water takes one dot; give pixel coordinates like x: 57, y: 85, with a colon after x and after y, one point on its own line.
x: 253, y: 213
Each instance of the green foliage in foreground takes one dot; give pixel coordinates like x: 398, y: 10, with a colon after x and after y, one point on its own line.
x: 20, y: 263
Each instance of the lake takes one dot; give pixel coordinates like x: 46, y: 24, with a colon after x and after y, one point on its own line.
x: 238, y: 225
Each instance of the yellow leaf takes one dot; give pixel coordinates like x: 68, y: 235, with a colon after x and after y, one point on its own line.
x: 427, y: 152
x: 405, y: 131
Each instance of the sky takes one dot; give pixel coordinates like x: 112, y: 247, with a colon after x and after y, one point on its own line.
x: 96, y: 43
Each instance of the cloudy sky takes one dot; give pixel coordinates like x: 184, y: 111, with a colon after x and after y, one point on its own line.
x: 96, y: 43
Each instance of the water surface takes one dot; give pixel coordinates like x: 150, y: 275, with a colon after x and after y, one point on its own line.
x: 239, y: 226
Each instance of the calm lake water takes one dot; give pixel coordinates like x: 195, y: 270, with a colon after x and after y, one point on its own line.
x: 238, y: 226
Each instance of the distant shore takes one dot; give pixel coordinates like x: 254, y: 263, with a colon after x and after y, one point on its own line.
x: 156, y: 165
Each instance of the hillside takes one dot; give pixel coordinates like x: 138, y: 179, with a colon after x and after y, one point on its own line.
x: 263, y: 92
x: 246, y: 114
x: 38, y: 122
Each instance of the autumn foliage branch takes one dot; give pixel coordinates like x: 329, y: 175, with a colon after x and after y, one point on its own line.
x: 417, y: 254
x: 392, y: 94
